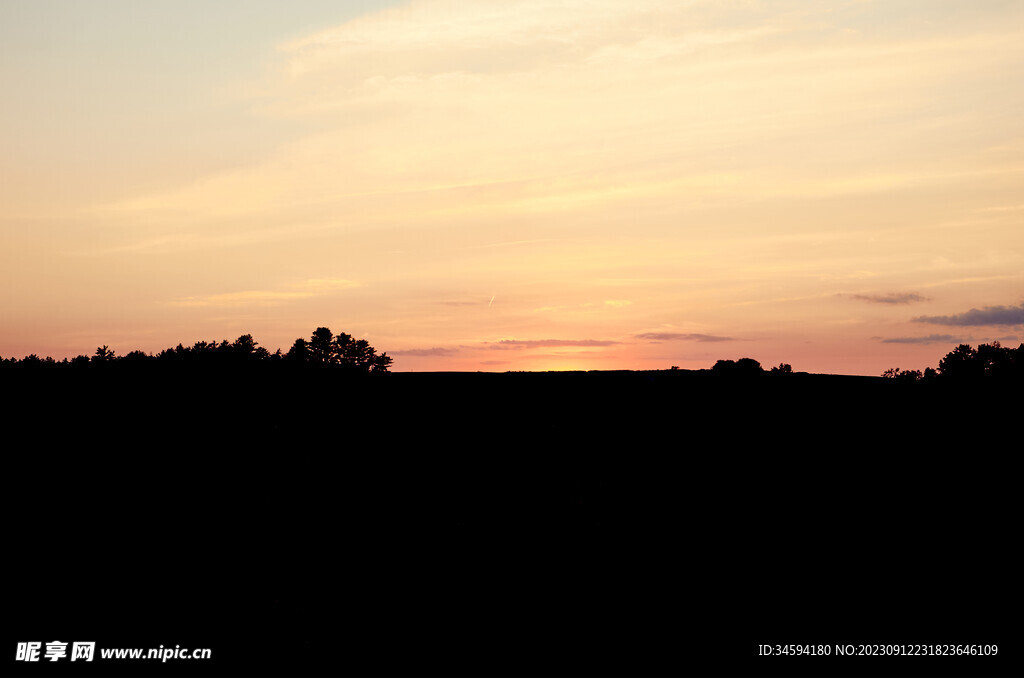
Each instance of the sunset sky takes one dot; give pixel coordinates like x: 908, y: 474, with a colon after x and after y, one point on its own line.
x: 516, y: 185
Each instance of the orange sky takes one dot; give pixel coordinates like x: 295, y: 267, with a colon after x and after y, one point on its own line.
x: 498, y: 185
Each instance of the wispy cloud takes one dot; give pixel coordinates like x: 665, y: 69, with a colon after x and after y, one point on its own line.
x: 678, y: 336
x: 435, y: 352
x: 989, y: 315
x: 504, y: 36
x: 890, y: 298
x: 539, y: 105
x: 481, y: 302
x: 313, y: 287
x: 548, y: 343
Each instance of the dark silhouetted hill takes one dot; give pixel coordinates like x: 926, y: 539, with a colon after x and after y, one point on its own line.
x: 452, y: 519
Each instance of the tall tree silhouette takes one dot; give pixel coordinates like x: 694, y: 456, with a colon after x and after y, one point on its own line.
x: 299, y: 352
x: 104, y: 354
x: 321, y: 346
x: 961, y: 363
x: 245, y: 346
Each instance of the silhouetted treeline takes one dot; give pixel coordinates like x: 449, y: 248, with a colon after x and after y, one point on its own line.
x: 989, y: 362
x: 323, y: 349
x: 992, y: 363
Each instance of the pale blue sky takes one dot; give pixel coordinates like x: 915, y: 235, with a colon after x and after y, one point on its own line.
x: 120, y: 79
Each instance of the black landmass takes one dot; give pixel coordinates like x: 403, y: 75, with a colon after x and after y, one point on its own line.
x: 476, y: 522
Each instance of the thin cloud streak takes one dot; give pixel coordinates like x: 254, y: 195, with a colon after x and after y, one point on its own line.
x: 436, y: 352
x: 676, y: 336
x: 314, y: 287
x: 890, y: 298
x: 538, y: 343
x: 930, y: 339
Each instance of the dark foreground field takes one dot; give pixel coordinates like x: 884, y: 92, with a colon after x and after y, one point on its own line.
x: 481, y: 523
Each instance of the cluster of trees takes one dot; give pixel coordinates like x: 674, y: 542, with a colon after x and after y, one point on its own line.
x: 965, y: 363
x: 748, y: 366
x: 322, y: 349
x: 741, y: 366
